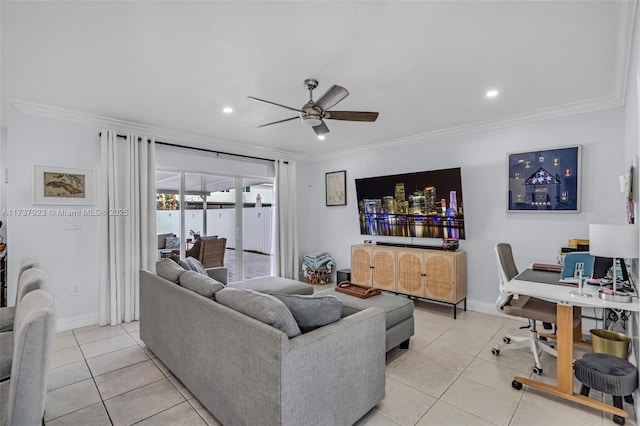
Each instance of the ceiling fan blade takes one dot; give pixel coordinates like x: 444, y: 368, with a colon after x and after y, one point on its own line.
x: 331, y: 97
x: 321, y: 129
x: 279, y: 121
x: 351, y: 115
x: 273, y: 103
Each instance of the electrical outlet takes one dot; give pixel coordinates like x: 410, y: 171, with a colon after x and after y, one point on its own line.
x: 73, y: 223
x: 75, y: 290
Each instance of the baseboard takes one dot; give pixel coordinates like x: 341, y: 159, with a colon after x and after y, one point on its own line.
x: 485, y: 308
x: 65, y: 324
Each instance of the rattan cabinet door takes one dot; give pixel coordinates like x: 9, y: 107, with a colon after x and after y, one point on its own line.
x: 440, y: 274
x: 384, y: 269
x: 410, y: 273
x: 361, y: 262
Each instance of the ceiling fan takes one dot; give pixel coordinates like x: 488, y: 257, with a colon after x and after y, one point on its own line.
x: 314, y: 112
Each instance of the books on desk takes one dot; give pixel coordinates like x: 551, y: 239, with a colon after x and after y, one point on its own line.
x: 548, y: 267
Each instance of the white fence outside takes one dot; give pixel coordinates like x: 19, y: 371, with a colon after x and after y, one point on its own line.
x: 257, y: 225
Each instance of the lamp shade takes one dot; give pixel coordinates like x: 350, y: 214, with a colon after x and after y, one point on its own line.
x: 620, y: 241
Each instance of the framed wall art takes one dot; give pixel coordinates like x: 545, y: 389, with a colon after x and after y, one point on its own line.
x: 336, y: 188
x: 546, y: 180
x: 61, y: 185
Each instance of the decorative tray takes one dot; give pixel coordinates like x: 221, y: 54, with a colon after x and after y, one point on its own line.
x: 357, y: 290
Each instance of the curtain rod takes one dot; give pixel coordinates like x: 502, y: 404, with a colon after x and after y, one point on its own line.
x: 174, y: 145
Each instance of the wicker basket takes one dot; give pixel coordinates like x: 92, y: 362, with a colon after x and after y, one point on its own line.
x: 318, y: 276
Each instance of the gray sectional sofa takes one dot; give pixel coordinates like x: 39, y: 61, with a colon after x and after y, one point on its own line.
x: 246, y: 372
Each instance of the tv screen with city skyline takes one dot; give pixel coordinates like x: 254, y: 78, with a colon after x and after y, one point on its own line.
x: 423, y: 204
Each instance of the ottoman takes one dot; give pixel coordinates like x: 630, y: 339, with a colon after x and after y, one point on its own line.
x: 271, y: 285
x: 607, y: 374
x: 398, y: 314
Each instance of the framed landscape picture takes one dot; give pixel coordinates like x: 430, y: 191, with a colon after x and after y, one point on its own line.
x: 546, y: 180
x: 60, y: 185
x: 336, y: 188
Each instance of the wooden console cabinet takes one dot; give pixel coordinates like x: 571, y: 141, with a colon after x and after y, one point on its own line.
x: 427, y: 274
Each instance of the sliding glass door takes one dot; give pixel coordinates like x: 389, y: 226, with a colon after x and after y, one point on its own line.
x: 192, y: 206
x: 257, y: 225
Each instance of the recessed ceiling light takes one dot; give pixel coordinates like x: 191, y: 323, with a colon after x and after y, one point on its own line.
x: 492, y: 93
x: 321, y: 137
x: 227, y: 110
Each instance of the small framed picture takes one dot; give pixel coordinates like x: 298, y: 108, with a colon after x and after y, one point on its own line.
x: 546, y: 180
x: 61, y: 185
x: 336, y: 188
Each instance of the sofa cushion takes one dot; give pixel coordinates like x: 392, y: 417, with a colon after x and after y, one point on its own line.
x: 169, y: 270
x: 172, y: 243
x: 273, y: 285
x: 397, y: 308
x: 201, y: 284
x: 259, y: 306
x: 311, y: 312
x: 195, y: 265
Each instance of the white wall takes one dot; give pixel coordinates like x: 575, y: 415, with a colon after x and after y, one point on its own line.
x: 70, y: 257
x: 177, y: 159
x: 482, y: 157
x: 3, y: 186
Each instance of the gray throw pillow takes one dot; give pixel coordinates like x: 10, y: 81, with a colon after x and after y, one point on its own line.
x: 169, y: 270
x: 259, y: 306
x: 311, y: 312
x: 195, y: 265
x: 199, y: 283
x: 184, y: 265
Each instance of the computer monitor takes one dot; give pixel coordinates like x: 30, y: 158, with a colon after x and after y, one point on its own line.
x: 601, y: 266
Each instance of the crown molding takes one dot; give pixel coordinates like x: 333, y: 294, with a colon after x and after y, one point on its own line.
x: 207, y: 142
x: 627, y: 15
x: 483, y: 126
x: 159, y: 133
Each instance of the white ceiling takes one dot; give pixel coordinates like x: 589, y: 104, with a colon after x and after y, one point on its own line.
x: 424, y: 65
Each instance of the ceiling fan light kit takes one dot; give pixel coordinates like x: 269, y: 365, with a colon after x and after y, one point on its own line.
x: 313, y: 112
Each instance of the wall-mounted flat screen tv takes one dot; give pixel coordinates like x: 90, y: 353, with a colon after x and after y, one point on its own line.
x: 423, y: 204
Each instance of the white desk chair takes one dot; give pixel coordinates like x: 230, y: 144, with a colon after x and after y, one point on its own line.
x: 532, y: 308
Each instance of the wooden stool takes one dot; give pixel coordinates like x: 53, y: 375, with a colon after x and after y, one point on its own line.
x: 608, y: 374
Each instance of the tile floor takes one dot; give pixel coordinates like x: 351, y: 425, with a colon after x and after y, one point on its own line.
x: 106, y: 375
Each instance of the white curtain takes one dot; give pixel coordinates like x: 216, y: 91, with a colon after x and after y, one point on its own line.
x: 128, y: 223
x: 286, y: 222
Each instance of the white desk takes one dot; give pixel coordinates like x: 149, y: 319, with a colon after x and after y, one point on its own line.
x: 536, y: 284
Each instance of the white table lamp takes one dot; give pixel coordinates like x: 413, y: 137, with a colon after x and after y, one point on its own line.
x: 617, y: 242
